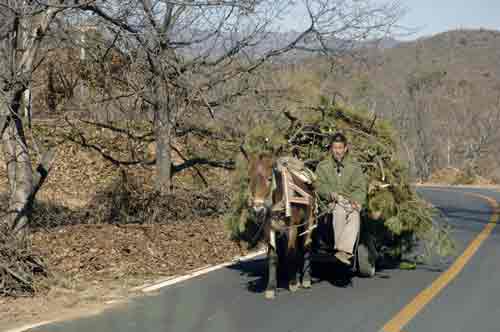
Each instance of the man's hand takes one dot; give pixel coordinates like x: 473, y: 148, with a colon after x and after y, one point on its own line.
x: 356, y: 206
x: 334, y: 196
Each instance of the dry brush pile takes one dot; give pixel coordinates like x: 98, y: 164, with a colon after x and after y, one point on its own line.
x: 19, y: 267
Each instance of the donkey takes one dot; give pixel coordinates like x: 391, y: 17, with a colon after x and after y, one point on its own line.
x: 281, y: 214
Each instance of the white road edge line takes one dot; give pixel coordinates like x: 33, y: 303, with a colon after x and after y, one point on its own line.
x: 168, y: 282
x: 26, y: 327
x: 197, y: 273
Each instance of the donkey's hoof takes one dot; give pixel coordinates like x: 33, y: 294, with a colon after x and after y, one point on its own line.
x: 293, y: 287
x: 270, y: 294
x: 306, y: 284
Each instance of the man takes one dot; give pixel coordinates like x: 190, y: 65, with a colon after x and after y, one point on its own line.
x: 342, y: 183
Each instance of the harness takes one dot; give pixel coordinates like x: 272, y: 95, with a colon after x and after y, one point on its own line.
x: 292, y: 193
x: 289, y: 168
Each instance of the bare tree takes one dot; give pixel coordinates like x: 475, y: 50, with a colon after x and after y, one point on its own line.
x: 200, y: 55
x: 24, y: 43
x: 24, y: 26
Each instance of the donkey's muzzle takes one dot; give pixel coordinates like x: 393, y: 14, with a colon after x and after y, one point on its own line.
x: 259, y: 208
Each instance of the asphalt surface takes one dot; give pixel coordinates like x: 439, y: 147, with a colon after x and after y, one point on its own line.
x: 232, y: 299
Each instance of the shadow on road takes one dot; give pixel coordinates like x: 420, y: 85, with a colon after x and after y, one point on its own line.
x: 461, y: 218
x: 256, y: 272
x: 466, y: 215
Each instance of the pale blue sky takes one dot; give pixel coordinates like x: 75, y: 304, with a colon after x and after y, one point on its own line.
x: 432, y: 16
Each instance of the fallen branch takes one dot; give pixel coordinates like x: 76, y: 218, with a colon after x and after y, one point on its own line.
x: 15, y: 275
x: 226, y: 164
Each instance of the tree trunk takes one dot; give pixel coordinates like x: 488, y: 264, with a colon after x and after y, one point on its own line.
x: 163, y: 132
x: 163, y: 152
x: 23, y: 184
x: 19, y: 171
x: 28, y: 30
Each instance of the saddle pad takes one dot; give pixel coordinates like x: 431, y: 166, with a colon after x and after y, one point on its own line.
x: 297, y: 168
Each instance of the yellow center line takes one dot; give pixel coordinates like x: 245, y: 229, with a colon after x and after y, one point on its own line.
x: 423, y: 298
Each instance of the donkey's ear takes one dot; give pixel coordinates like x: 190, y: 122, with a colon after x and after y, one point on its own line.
x: 278, y: 150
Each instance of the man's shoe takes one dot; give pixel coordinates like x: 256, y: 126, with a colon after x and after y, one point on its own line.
x: 344, y: 257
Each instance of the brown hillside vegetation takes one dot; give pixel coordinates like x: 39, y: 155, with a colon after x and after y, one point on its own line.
x: 455, y: 176
x: 442, y: 93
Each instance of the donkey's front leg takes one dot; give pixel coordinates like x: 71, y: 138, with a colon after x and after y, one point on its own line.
x: 306, y: 268
x: 307, y: 249
x: 272, y: 261
x: 292, y: 260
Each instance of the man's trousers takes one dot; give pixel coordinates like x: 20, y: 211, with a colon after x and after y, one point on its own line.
x: 346, y: 222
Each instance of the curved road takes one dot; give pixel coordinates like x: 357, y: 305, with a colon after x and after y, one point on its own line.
x: 430, y: 298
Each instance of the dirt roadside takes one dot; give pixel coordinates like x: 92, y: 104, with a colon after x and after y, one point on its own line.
x: 98, y: 266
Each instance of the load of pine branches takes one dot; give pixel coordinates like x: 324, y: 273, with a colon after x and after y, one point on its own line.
x: 394, y: 214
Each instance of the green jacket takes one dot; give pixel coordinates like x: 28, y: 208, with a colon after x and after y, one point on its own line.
x: 351, y: 183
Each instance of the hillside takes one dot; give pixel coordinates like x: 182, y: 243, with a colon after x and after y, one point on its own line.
x: 444, y: 88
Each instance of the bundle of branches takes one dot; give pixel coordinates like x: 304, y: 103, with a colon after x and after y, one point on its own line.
x: 394, y: 214
x: 18, y: 267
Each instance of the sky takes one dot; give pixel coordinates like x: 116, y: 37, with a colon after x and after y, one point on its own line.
x: 434, y: 16
x: 429, y: 17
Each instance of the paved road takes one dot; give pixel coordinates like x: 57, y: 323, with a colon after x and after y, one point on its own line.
x: 231, y: 300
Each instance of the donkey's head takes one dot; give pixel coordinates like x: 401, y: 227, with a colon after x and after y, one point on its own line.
x: 260, y: 177
x: 260, y: 172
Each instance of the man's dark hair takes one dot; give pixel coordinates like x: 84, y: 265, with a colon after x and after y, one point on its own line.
x: 339, y: 138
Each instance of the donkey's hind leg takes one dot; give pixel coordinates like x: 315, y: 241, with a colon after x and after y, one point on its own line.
x: 304, y: 259
x: 306, y: 246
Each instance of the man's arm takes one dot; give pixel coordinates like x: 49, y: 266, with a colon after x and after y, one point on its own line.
x: 321, y: 185
x: 359, y: 186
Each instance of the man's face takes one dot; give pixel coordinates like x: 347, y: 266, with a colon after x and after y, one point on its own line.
x: 338, y: 150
